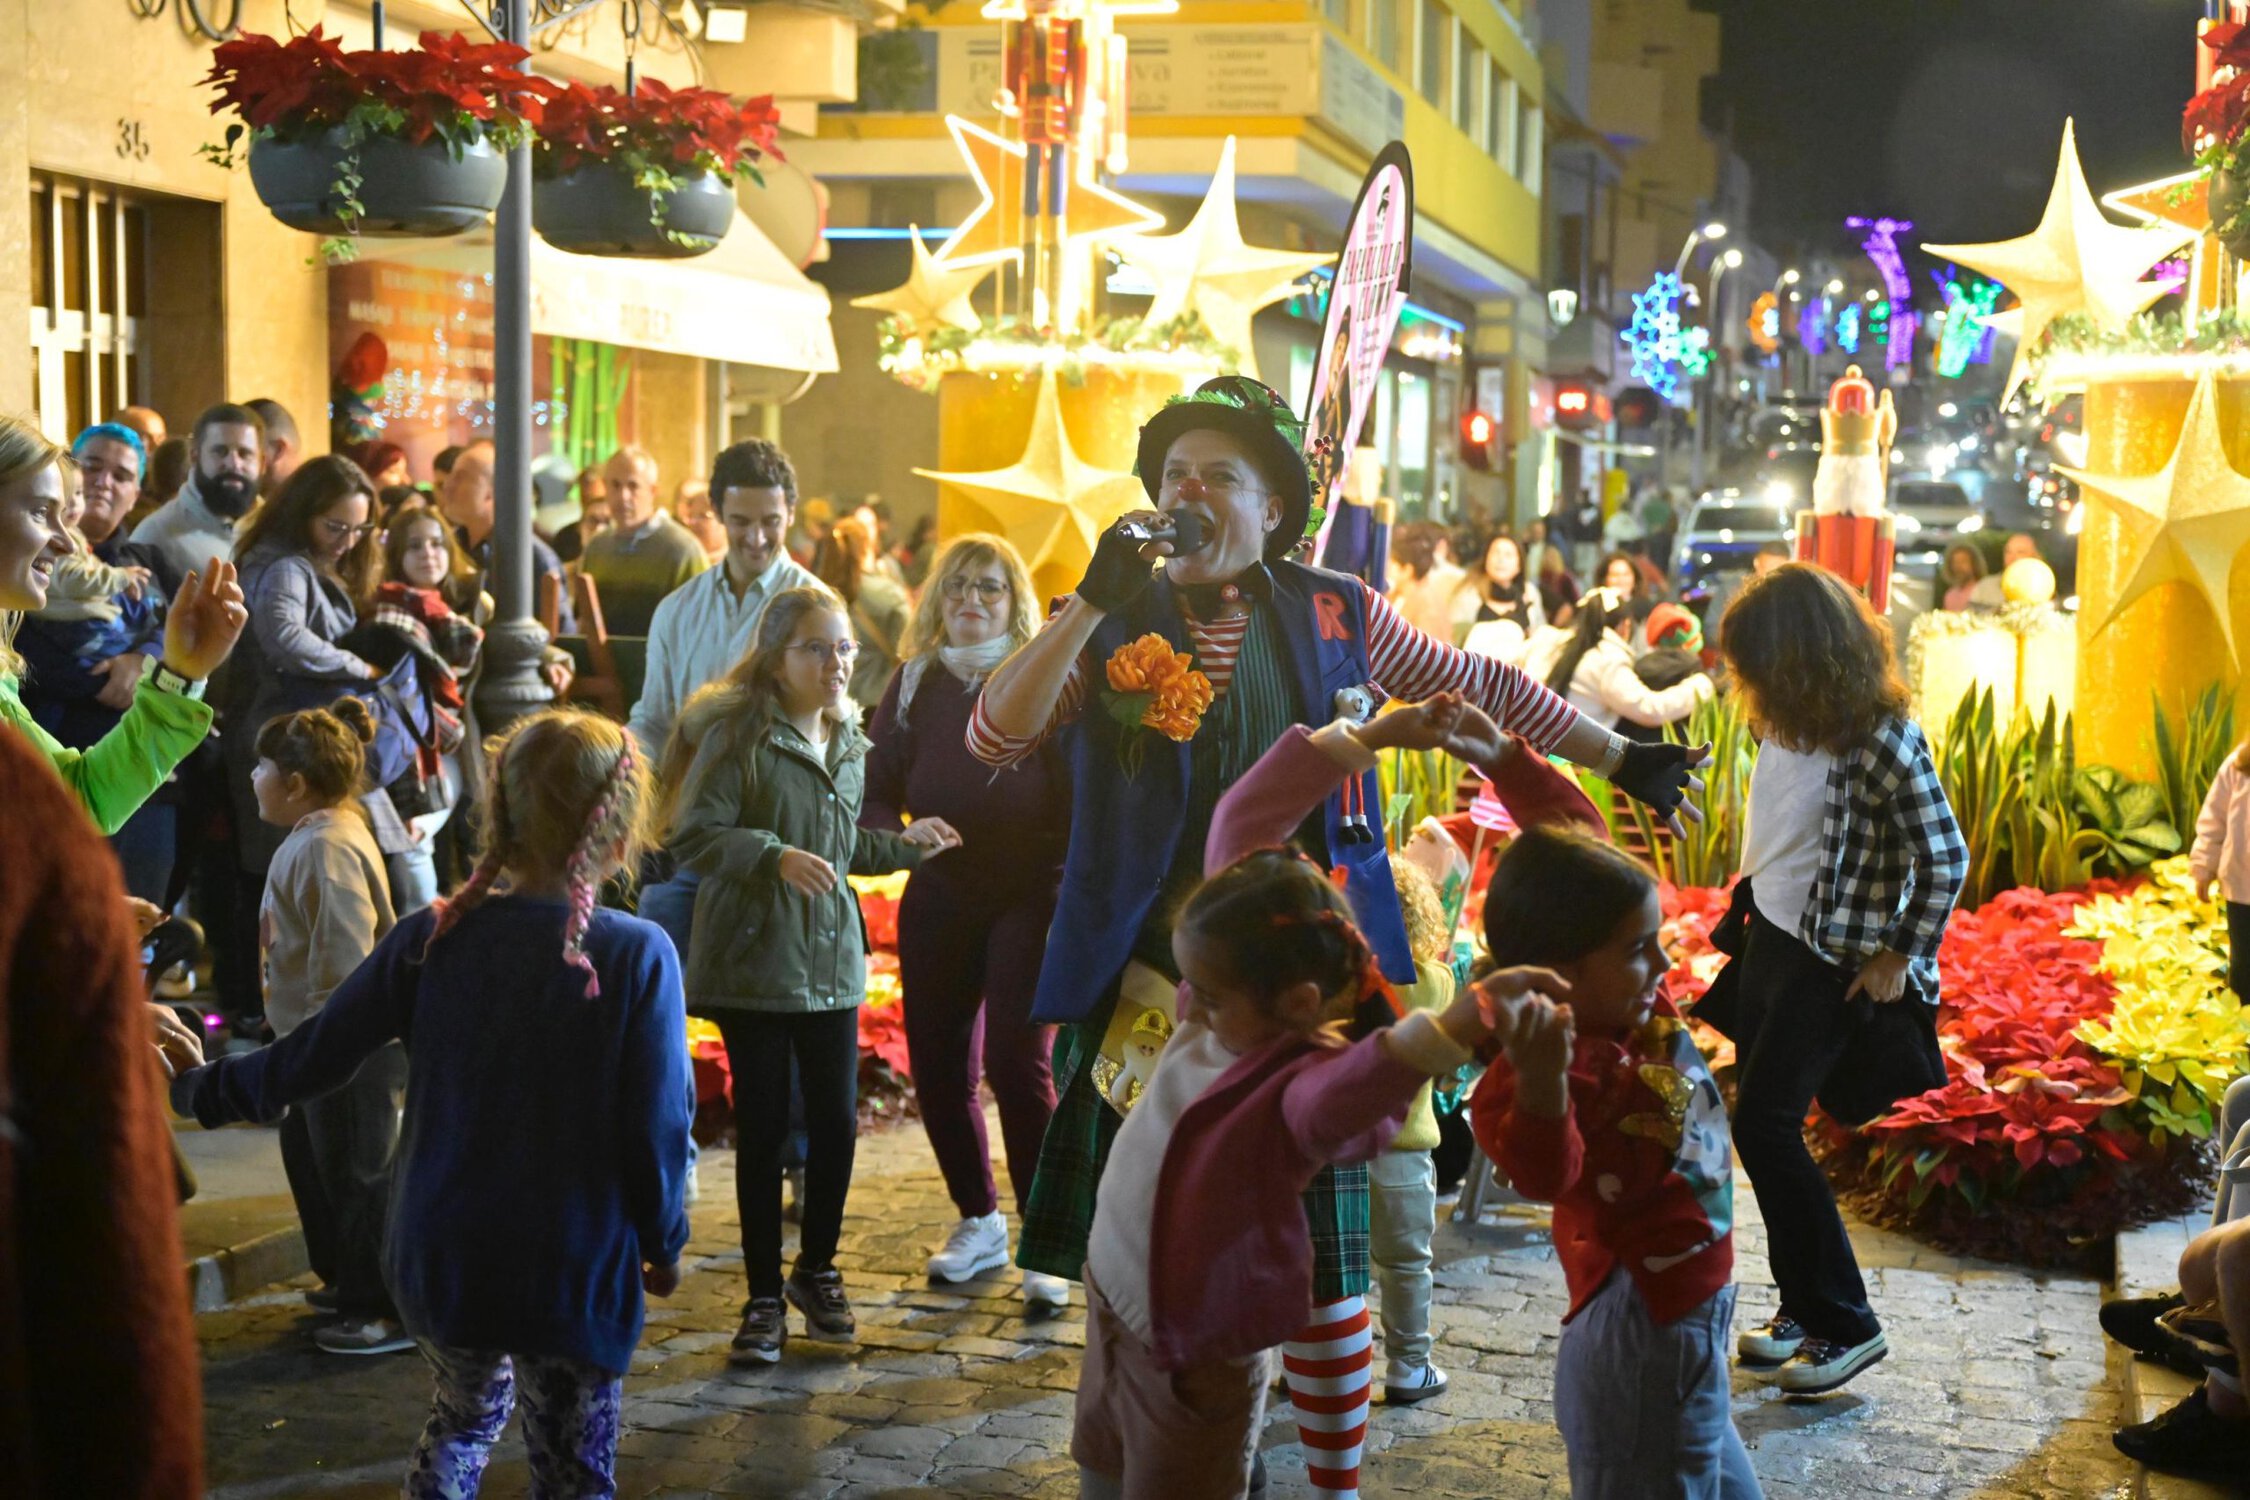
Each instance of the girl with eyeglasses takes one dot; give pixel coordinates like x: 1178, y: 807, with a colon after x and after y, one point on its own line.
x: 762, y: 783
x: 972, y: 926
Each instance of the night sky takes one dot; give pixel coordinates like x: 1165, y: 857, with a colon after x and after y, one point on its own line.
x: 1946, y: 112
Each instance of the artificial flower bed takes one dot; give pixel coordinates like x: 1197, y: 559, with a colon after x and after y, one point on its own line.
x: 2089, y: 1038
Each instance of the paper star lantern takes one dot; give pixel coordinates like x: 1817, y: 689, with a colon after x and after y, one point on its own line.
x: 1207, y: 269
x: 934, y: 296
x: 2075, y: 261
x: 994, y: 231
x: 2195, y: 517
x: 1050, y: 503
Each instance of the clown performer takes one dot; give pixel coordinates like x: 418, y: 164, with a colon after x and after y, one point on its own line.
x: 1279, y: 643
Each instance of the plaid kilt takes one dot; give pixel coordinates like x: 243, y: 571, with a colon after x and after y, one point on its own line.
x: 1060, y: 1215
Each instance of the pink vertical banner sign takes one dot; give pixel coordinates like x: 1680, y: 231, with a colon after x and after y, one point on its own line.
x: 1366, y: 294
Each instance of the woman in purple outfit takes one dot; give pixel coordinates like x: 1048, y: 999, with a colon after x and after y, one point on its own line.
x: 972, y: 926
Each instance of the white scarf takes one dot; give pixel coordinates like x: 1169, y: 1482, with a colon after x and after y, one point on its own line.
x: 969, y: 663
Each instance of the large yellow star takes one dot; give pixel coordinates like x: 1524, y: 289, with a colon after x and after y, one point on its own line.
x: 994, y: 230
x: 2075, y: 261
x: 1207, y: 269
x: 934, y: 296
x: 2193, y: 516
x: 1051, y: 504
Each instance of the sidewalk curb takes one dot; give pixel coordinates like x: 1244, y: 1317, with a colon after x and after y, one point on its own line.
x: 224, y: 1276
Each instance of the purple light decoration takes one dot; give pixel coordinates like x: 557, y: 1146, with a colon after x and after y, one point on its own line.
x: 1879, y: 240
x: 1812, y: 327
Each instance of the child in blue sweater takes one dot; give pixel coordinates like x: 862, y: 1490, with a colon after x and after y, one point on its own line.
x: 540, y: 1175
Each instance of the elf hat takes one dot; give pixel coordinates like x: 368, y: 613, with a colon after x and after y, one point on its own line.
x: 1255, y: 416
x: 1674, y: 626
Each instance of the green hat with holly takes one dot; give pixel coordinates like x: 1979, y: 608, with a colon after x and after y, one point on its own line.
x: 1258, y: 419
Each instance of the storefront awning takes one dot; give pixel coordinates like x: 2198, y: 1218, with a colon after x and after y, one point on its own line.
x: 744, y: 302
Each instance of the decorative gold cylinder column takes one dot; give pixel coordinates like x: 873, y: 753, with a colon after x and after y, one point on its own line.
x: 2164, y: 647
x: 983, y: 420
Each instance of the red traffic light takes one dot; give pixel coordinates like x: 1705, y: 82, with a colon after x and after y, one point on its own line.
x: 1573, y: 401
x: 1477, y: 433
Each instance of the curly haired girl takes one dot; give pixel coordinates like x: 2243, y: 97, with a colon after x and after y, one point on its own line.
x: 541, y: 1179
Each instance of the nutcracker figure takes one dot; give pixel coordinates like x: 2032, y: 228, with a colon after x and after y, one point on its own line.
x: 1848, y: 530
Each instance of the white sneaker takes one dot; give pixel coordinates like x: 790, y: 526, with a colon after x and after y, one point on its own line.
x: 1405, y: 1384
x: 363, y: 1336
x: 1773, y: 1342
x: 1044, y: 1296
x: 975, y: 1246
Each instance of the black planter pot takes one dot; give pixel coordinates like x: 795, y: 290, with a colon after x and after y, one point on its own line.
x: 2228, y: 193
x: 404, y: 190
x: 597, y: 210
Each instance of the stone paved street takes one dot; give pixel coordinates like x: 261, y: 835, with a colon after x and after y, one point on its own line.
x: 1998, y: 1383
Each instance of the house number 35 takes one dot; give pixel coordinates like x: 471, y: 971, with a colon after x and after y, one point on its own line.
x: 132, y: 140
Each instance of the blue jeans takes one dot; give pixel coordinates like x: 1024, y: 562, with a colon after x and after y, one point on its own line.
x: 1645, y: 1409
x: 670, y: 904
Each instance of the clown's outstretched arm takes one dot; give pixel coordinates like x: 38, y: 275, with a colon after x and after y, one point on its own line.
x: 1021, y: 697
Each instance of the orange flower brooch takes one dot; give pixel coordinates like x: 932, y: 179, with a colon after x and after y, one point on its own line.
x: 1153, y: 686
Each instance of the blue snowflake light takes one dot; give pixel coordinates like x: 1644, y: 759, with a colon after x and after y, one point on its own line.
x: 1663, y: 349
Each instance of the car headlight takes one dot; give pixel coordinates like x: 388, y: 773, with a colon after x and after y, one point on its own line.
x: 1907, y: 525
x: 1970, y: 523
x: 1969, y: 444
x: 1781, y: 492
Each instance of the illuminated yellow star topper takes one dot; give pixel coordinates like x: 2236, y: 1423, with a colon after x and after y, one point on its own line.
x: 2075, y: 261
x: 994, y: 230
x: 2183, y: 199
x: 1050, y: 503
x: 1207, y: 268
x: 935, y: 295
x: 2192, y: 517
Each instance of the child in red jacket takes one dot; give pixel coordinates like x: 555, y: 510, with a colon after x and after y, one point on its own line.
x: 1199, y: 1261
x: 1604, y: 1108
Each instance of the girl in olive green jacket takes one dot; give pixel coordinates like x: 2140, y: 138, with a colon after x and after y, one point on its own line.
x: 766, y: 769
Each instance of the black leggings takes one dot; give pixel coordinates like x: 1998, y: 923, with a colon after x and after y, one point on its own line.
x: 2238, y: 950
x: 826, y: 1047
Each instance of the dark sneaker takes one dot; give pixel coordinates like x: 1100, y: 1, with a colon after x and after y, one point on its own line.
x: 1819, y: 1366
x: 2199, y: 1334
x: 2190, y: 1438
x: 764, y: 1330
x: 2131, y: 1321
x: 323, y: 1299
x: 1773, y: 1342
x: 819, y: 1295
x: 363, y: 1336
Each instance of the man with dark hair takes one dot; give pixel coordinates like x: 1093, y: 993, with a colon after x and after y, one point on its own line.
x: 703, y: 627
x: 284, y: 448
x: 197, y: 524
x: 441, y: 467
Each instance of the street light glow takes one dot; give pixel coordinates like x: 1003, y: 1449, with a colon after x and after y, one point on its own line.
x: 1790, y: 277
x: 1731, y: 259
x: 1714, y: 230
x: 1835, y: 288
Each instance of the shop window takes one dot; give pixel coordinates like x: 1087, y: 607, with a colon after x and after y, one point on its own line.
x: 1531, y: 148
x: 89, y: 290
x: 1382, y: 29
x: 1339, y: 13
x: 1500, y: 119
x: 1412, y: 485
x: 1430, y: 54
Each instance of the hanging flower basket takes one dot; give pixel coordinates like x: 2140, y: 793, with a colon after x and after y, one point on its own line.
x: 342, y: 143
x: 599, y: 209
x: 2215, y: 131
x: 650, y: 173
x: 401, y: 189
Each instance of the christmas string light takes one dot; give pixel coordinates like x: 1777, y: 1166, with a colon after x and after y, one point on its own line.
x: 1663, y: 350
x: 1847, y: 328
x: 1879, y: 241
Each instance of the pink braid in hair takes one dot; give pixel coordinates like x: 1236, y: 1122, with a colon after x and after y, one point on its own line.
x: 585, y: 881
x: 450, y: 910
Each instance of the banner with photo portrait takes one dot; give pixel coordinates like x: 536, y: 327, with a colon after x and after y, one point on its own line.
x: 1366, y: 294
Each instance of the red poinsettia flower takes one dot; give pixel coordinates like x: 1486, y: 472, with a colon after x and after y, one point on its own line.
x: 672, y: 130
x: 448, y: 85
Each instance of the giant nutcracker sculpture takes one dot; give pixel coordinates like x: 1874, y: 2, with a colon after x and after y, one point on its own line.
x: 1848, y: 530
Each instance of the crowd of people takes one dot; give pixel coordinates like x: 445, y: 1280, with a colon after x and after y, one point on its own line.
x: 1210, y: 1006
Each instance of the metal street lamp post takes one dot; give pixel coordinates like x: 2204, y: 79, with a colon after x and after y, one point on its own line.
x: 1707, y: 405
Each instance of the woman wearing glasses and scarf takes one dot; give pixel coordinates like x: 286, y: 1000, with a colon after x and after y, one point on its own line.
x: 973, y: 924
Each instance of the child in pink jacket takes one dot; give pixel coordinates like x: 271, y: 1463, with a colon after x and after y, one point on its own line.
x: 1199, y: 1261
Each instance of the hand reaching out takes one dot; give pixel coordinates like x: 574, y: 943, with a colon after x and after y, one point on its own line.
x: 136, y: 581
x: 1545, y: 1033
x: 933, y: 834
x: 1447, y: 722
x: 808, y: 873
x: 205, y: 622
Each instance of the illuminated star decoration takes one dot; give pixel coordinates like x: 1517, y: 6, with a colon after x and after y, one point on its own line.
x: 935, y: 295
x: 2075, y: 261
x: 1050, y: 503
x: 2200, y: 508
x: 1663, y: 350
x: 1207, y: 268
x: 2183, y: 200
x: 994, y: 231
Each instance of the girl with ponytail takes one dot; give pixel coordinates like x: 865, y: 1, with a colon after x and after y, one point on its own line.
x: 542, y: 1173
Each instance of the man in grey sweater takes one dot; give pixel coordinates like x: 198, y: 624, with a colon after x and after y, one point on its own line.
x: 197, y: 524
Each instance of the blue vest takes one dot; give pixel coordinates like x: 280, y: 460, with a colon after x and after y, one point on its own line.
x: 1124, y: 833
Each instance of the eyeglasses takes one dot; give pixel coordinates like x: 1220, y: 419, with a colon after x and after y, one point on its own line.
x: 1219, y: 487
x: 842, y: 651
x: 340, y: 530
x: 960, y: 586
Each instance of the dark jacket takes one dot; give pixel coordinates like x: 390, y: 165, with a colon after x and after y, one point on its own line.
x: 760, y: 943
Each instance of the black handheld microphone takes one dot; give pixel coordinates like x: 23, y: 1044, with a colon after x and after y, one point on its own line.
x: 1186, y: 530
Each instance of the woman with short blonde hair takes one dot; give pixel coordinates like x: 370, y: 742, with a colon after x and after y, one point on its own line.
x: 972, y: 926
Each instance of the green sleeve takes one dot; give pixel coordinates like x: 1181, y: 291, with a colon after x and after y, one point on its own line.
x: 118, y: 774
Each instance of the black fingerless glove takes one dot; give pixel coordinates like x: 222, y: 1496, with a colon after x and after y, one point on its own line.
x: 1656, y: 774
x: 1117, y: 573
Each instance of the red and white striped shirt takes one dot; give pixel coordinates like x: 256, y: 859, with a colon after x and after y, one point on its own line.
x: 1408, y: 665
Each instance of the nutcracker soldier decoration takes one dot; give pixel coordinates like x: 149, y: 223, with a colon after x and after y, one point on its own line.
x: 1849, y: 531
x: 1044, y: 88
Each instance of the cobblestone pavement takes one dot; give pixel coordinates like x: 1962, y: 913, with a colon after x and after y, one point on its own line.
x: 1998, y: 1383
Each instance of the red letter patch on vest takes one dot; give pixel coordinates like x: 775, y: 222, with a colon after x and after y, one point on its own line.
x: 1330, y: 609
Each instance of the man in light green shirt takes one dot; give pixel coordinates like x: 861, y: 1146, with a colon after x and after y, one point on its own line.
x: 645, y: 554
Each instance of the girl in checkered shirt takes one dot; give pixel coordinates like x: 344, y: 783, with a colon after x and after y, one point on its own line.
x: 1854, y: 861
